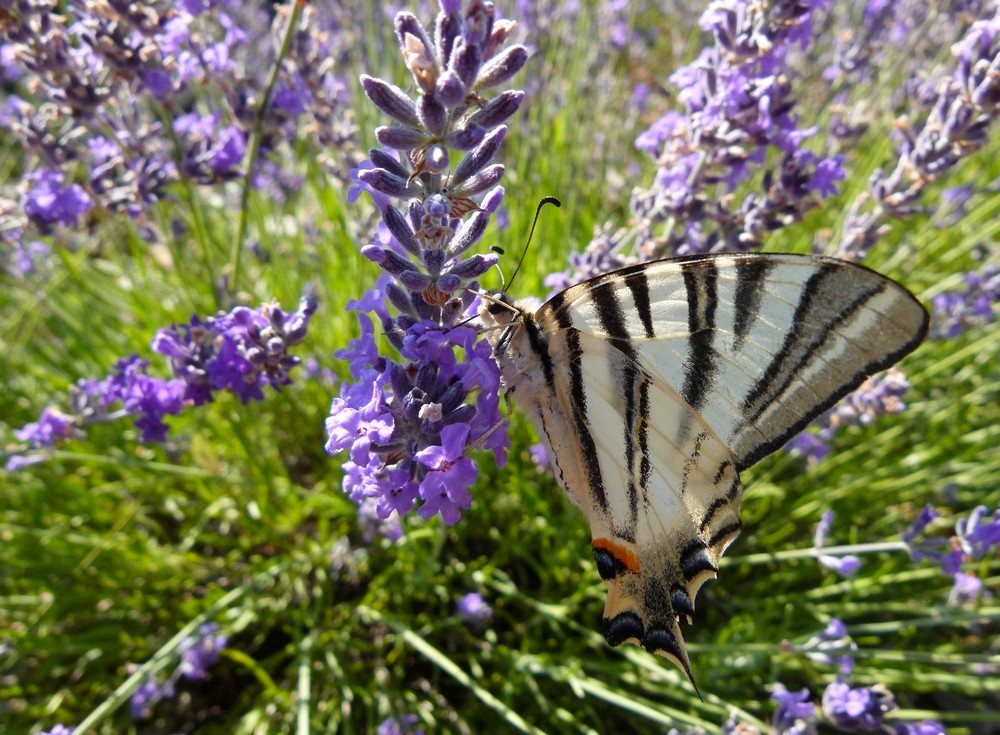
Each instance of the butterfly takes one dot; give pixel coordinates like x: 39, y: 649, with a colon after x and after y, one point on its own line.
x: 654, y: 385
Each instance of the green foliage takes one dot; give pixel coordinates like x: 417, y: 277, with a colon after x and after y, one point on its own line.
x: 113, y: 548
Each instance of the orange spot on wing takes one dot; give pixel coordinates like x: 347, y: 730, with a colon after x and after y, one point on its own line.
x: 624, y: 556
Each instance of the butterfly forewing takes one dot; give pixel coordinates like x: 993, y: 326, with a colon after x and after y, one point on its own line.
x: 654, y: 385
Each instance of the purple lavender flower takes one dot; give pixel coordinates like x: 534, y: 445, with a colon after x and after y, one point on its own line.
x: 58, y: 730
x: 144, y: 698
x: 739, y: 102
x: 409, y: 426
x: 925, y: 727
x: 241, y: 351
x: 832, y: 647
x: 52, y: 427
x: 200, y: 652
x: 878, y: 395
x: 861, y: 709
x: 402, y: 725
x: 474, y: 609
x: 967, y: 589
x: 175, y: 90
x: 47, y: 202
x: 845, y: 566
x: 957, y: 311
x: 962, y: 108
x: 795, y: 713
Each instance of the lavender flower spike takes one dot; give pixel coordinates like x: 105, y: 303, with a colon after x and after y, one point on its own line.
x: 409, y: 421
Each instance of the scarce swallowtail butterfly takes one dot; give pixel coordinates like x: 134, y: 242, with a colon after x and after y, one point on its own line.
x: 653, y: 386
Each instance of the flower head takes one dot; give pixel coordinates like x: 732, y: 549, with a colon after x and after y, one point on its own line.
x: 474, y: 609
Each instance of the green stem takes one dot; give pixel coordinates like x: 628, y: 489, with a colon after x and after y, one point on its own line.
x: 256, y: 134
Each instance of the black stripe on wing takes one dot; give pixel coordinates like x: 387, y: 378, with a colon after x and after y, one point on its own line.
x: 578, y: 398
x: 797, y: 352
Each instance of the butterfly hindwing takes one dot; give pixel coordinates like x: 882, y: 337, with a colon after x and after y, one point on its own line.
x: 655, y: 384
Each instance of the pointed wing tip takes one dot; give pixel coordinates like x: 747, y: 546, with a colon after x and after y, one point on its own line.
x: 627, y: 627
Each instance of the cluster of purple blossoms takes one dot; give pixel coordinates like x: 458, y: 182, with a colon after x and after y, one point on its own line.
x: 739, y: 105
x: 114, y: 103
x: 845, y: 707
x: 974, y: 538
x: 198, y: 654
x: 962, y: 109
x: 409, y: 425
x: 975, y: 305
x: 240, y: 352
x: 846, y: 565
x: 880, y: 394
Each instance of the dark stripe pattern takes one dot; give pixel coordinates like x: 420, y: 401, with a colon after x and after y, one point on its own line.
x: 700, y: 280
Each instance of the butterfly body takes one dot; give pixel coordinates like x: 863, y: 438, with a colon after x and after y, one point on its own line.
x: 654, y: 385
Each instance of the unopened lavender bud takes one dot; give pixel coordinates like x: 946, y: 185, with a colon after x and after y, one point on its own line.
x: 407, y: 23
x: 450, y: 89
x: 502, y: 67
x: 391, y: 100
x: 467, y: 138
x: 498, y: 109
x: 415, y: 211
x: 462, y: 414
x: 434, y: 260
x: 469, y: 233
x: 401, y: 139
x: 466, y: 60
x: 449, y: 283
x: 390, y: 261
x: 256, y: 356
x: 437, y: 206
x: 399, y: 298
x: 383, y: 181
x: 276, y: 344
x: 498, y: 37
x: 400, y: 229
x: 474, y: 161
x: 436, y: 157
x: 433, y: 116
x: 475, y: 266
x: 390, y: 163
x: 448, y: 27
x: 419, y: 60
x: 453, y: 395
x: 426, y: 377
x: 492, y: 200
x: 478, y: 21
x: 482, y: 181
x: 453, y: 309
x: 415, y: 281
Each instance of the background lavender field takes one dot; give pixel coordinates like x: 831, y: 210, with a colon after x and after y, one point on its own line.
x: 180, y: 552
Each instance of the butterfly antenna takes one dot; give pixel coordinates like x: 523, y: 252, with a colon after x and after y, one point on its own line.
x: 538, y: 209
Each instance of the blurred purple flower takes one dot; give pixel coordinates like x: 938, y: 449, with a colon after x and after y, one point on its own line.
x: 860, y: 709
x: 795, y: 713
x: 200, y: 652
x: 832, y: 647
x: 58, y: 730
x: 926, y: 727
x: 878, y: 395
x: 48, y: 202
x: 402, y: 725
x: 845, y: 566
x: 975, y: 305
x: 474, y: 610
